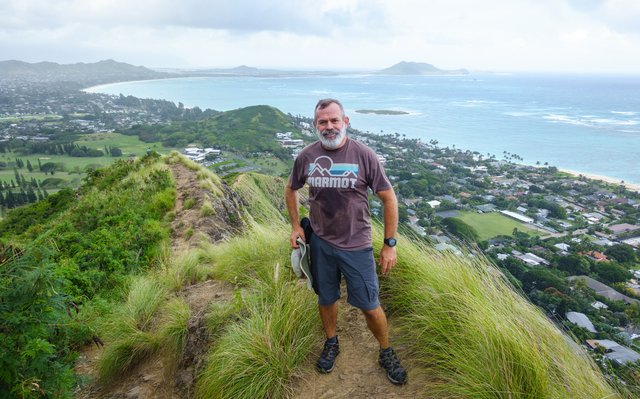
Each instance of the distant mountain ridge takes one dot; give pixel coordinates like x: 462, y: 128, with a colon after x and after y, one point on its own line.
x: 419, y: 68
x: 106, y: 71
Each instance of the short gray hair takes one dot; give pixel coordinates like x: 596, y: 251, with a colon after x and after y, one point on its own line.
x: 324, y: 103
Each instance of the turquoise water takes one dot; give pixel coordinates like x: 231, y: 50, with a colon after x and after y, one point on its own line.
x: 589, y: 124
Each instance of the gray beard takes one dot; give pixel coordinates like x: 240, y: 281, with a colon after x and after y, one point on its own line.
x: 332, y: 144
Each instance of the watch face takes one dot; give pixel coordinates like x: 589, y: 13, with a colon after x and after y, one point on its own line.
x: 390, y: 242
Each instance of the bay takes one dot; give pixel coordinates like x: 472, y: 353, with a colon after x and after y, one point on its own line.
x: 584, y: 123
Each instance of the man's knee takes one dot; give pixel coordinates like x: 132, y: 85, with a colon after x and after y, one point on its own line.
x: 374, y: 313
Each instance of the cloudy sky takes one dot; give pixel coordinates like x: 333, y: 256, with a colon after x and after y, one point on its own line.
x: 496, y: 35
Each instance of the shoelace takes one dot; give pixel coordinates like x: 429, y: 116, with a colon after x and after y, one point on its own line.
x: 389, y: 360
x: 329, y: 350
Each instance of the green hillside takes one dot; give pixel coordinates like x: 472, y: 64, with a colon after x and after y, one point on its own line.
x: 248, y: 130
x: 121, y: 262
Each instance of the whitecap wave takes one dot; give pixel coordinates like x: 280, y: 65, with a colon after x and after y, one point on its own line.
x: 559, y: 118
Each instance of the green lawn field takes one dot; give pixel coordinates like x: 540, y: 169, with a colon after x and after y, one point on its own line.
x: 75, y: 167
x: 489, y: 225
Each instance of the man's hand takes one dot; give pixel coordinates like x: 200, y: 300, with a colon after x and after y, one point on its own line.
x: 295, y: 233
x: 388, y: 258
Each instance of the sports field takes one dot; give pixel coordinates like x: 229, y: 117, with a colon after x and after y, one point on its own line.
x: 489, y: 225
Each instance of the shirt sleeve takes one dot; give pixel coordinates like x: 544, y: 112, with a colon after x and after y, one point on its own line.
x: 376, y: 177
x: 298, y: 176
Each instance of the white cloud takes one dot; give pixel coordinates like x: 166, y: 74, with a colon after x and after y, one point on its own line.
x: 493, y: 35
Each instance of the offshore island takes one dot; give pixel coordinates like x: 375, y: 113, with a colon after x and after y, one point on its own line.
x: 381, y: 112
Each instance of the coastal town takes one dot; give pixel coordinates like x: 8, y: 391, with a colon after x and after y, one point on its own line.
x: 567, y: 242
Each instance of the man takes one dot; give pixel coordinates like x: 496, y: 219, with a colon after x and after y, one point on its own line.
x: 339, y: 171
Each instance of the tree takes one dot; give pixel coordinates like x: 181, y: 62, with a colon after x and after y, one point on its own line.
x: 574, y: 264
x: 31, y: 195
x: 460, y: 229
x: 622, y: 253
x: 633, y: 313
x: 29, y: 166
x: 48, y: 167
x: 610, y: 272
x: 542, y: 279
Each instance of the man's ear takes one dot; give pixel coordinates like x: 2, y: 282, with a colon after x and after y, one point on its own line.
x: 346, y: 120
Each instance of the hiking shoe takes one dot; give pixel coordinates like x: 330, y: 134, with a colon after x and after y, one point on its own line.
x: 390, y: 363
x: 328, y: 356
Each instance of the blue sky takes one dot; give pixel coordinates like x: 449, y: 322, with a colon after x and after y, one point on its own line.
x: 593, y: 36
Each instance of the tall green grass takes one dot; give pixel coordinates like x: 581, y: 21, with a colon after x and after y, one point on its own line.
x: 183, y: 269
x: 150, y: 320
x: 173, y: 331
x: 256, y: 356
x: 476, y: 337
x: 263, y: 197
x: 127, y: 332
x: 254, y: 255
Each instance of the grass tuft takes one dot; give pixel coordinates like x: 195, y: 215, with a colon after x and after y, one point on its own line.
x: 256, y: 357
x: 221, y: 314
x: 127, y: 351
x: 189, y: 203
x: 251, y: 256
x: 145, y: 295
x: 185, y: 268
x: 174, y: 328
x: 478, y: 338
x: 206, y: 209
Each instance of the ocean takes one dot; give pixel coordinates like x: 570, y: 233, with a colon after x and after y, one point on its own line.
x: 585, y: 123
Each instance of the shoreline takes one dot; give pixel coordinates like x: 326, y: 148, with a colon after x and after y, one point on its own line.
x: 607, y: 179
x: 631, y: 186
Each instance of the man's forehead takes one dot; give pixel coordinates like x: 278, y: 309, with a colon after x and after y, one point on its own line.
x: 330, y: 111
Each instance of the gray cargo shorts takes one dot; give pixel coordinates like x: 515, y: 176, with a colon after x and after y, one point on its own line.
x: 358, y: 268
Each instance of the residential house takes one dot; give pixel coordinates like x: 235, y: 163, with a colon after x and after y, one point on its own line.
x: 599, y: 305
x: 621, y: 228
x: 517, y: 216
x: 532, y: 259
x: 604, y: 290
x: 581, y: 320
x: 614, y: 351
x: 595, y: 255
x: 485, y: 208
x: 634, y: 242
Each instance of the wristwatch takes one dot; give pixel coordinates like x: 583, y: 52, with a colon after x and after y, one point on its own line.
x: 390, y: 241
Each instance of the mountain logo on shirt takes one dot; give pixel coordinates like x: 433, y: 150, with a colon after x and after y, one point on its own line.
x: 323, y: 173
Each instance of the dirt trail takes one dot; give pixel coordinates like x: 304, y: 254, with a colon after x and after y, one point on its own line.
x: 356, y: 375
x: 154, y: 378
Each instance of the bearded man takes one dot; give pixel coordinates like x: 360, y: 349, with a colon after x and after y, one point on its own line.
x: 339, y: 171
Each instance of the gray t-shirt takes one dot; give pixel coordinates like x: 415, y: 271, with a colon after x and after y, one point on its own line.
x: 338, y: 197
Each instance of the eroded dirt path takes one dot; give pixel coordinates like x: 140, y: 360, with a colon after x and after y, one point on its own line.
x: 153, y: 378
x: 357, y: 373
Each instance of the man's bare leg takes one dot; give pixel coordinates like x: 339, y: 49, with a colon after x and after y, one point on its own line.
x: 377, y: 323
x: 329, y: 316
x: 331, y: 348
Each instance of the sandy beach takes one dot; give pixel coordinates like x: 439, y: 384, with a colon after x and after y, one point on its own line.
x: 607, y: 179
